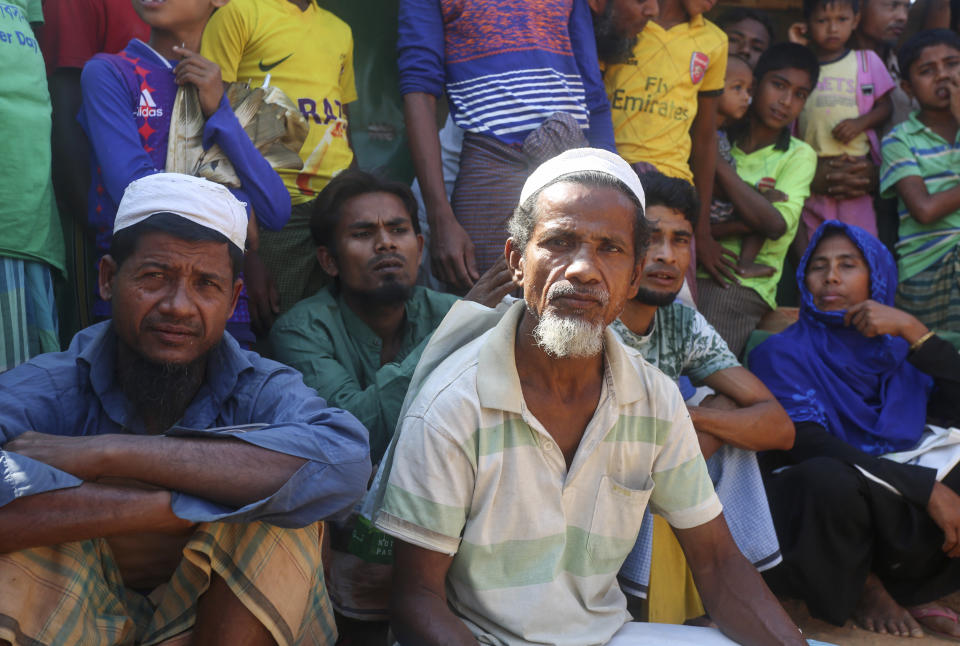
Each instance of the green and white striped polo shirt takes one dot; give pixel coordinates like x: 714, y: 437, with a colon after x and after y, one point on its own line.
x: 911, y: 148
x: 537, y: 548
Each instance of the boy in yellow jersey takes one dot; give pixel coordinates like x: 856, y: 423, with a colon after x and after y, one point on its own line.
x: 664, y: 104
x: 308, y: 53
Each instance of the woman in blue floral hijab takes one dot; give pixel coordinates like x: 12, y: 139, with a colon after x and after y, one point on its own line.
x: 862, y: 536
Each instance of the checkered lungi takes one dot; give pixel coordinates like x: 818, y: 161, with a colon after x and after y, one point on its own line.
x: 492, y: 175
x: 933, y: 295
x: 733, y: 311
x: 290, y: 255
x: 73, y: 593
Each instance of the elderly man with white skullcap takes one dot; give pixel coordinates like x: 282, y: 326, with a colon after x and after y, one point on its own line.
x: 157, y: 483
x: 517, y: 482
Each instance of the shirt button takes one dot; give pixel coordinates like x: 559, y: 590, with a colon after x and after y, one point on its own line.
x: 548, y: 446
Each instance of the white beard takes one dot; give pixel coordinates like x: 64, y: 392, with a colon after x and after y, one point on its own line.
x: 568, y: 337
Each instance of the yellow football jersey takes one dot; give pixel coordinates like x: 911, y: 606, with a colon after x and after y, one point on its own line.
x: 653, y: 95
x: 307, y: 54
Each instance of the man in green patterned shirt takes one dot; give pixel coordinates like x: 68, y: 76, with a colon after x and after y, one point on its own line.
x: 740, y: 418
x: 358, y: 341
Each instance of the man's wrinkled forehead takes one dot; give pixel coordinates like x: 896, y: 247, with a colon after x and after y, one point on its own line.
x: 575, y: 211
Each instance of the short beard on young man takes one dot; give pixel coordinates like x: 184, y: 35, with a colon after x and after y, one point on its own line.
x: 612, y: 48
x: 391, y: 292
x: 651, y: 297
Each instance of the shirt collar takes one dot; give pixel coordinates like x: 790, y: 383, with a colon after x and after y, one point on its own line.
x: 360, y: 331
x: 912, y: 125
x: 144, y: 49
x: 97, y: 349
x: 354, y: 325
x: 498, y: 384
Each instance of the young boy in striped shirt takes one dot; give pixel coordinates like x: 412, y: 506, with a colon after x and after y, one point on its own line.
x: 920, y: 161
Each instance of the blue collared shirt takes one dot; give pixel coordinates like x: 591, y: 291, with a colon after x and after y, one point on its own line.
x: 76, y: 393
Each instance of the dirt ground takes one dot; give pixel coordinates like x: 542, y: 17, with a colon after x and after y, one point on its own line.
x: 849, y: 635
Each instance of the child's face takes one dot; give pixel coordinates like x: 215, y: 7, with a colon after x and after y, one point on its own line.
x: 780, y: 96
x: 830, y: 26
x: 736, y: 91
x: 930, y: 76
x: 174, y: 14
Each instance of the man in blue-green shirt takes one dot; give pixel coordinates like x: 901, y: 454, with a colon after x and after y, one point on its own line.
x: 358, y: 340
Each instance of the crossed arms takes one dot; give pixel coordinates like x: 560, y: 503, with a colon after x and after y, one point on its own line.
x: 128, y: 484
x: 745, y: 415
x: 312, y: 462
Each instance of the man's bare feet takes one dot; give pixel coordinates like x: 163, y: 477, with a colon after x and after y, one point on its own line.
x: 937, y: 619
x: 878, y: 612
x: 755, y: 270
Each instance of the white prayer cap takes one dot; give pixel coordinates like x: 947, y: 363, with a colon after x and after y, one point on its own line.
x: 581, y: 159
x: 193, y: 198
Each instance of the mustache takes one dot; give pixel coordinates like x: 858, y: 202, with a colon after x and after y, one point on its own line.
x: 565, y: 288
x: 373, y: 262
x: 162, y: 321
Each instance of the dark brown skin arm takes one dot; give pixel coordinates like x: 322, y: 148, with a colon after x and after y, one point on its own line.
x: 419, y: 614
x: 758, y: 424
x: 872, y: 319
x: 730, y: 228
x: 924, y: 207
x: 201, y: 467
x: 451, y: 250
x: 718, y: 262
x: 703, y: 153
x: 756, y: 211
x: 733, y: 593
x: 80, y: 513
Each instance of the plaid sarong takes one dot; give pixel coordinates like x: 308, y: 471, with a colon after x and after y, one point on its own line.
x: 486, y: 193
x: 492, y: 175
x: 28, y: 314
x: 734, y: 311
x: 933, y: 295
x: 72, y: 593
x: 291, y: 257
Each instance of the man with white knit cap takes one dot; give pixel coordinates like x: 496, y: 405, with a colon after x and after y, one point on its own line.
x: 524, y: 461
x: 158, y: 484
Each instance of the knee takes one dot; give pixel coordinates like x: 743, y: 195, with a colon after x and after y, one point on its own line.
x: 240, y: 538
